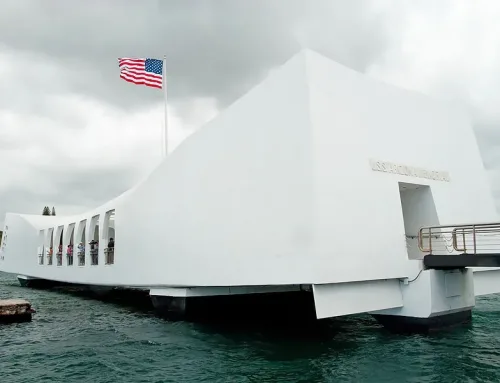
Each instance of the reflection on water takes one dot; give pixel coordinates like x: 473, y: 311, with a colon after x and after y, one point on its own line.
x: 80, y: 337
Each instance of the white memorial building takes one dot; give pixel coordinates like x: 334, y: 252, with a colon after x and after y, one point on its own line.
x: 318, y: 181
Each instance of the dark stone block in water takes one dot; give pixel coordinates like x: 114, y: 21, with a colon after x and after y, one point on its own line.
x: 404, y: 324
x: 38, y: 283
x: 15, y: 310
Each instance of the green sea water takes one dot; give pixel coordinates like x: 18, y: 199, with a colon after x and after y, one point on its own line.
x: 74, y: 338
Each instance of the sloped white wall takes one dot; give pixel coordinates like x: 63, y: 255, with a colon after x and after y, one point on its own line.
x: 278, y: 189
x: 22, y: 243
x: 233, y: 204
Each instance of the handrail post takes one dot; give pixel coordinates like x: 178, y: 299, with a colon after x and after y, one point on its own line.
x: 463, y: 238
x: 419, y: 241
x: 454, y: 239
x: 430, y: 241
x: 474, y: 237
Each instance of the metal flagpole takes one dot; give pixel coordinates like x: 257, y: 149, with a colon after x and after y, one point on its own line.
x: 164, y: 144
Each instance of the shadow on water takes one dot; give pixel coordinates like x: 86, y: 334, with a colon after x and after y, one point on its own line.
x: 133, y: 300
x: 285, y: 339
x: 313, y: 345
x: 236, y: 323
x: 273, y: 323
x: 123, y: 338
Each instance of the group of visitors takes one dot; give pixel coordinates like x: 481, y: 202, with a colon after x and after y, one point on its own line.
x: 49, y: 255
x: 94, y: 252
x: 110, y: 252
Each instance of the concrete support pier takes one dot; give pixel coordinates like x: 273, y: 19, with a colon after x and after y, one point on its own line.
x: 173, y: 308
x: 15, y: 310
x: 256, y: 304
x: 435, y: 300
x: 405, y: 324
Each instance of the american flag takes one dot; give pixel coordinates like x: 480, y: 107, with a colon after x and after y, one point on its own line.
x: 142, y: 71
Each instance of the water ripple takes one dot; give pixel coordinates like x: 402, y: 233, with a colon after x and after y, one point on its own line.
x: 77, y: 339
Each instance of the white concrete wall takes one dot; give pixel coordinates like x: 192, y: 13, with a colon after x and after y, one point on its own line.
x: 236, y: 196
x: 486, y: 281
x: 418, y: 210
x: 356, y: 119
x: 435, y: 293
x: 278, y: 189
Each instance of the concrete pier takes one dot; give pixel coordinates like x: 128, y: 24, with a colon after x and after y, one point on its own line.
x: 15, y: 310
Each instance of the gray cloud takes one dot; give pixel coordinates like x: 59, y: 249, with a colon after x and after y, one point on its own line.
x: 62, y: 88
x: 80, y: 190
x: 90, y: 188
x: 215, y: 48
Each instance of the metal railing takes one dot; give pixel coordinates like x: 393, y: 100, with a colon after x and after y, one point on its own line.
x: 59, y: 258
x: 81, y: 258
x: 49, y: 259
x: 481, y: 238
x: 94, y: 257
x: 69, y: 258
x: 40, y: 259
x: 109, y: 253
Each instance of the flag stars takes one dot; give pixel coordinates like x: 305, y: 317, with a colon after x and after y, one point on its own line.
x: 154, y: 66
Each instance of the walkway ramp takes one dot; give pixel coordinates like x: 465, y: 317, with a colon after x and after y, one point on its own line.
x: 459, y: 246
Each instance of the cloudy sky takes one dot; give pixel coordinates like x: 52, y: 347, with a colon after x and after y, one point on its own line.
x: 73, y: 135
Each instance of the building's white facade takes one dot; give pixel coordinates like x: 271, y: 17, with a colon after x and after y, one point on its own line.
x: 304, y: 180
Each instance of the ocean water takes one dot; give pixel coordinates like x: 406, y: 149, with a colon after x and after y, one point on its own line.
x: 75, y: 338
